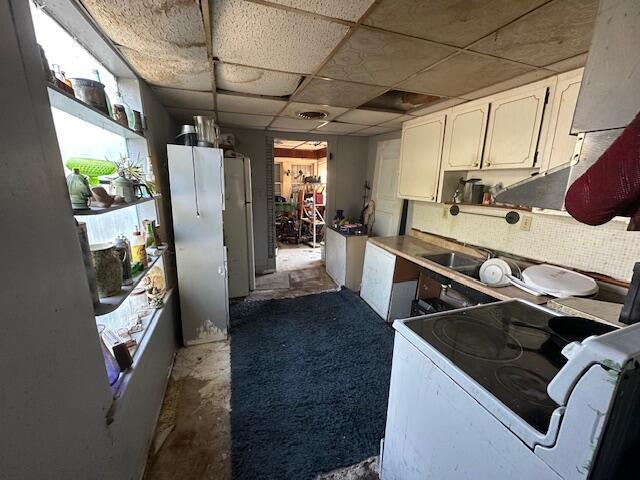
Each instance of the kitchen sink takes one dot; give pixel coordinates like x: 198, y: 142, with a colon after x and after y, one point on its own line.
x: 456, y: 261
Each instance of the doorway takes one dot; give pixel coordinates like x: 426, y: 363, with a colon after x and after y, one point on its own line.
x: 300, y: 199
x: 300, y: 193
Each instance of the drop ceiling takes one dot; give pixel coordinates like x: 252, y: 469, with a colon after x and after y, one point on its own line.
x: 258, y: 63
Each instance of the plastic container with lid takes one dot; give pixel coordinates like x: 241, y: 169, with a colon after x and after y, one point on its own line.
x: 138, y: 249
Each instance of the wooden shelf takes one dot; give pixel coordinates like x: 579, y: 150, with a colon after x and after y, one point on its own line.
x: 69, y: 104
x: 99, y: 211
x: 109, y: 304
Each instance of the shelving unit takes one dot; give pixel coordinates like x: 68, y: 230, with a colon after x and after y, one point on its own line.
x: 311, y: 213
x: 69, y: 104
x: 112, y: 208
x: 109, y: 304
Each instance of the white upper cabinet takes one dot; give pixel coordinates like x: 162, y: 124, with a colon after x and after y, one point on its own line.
x: 560, y: 145
x: 514, y: 127
x: 464, y: 136
x: 420, y: 156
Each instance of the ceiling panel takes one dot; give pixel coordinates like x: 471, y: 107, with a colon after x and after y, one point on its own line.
x: 514, y: 82
x: 456, y: 23
x: 339, y: 128
x: 184, y: 116
x: 368, y: 132
x: 336, y: 92
x: 255, y: 81
x: 462, y: 74
x: 261, y: 36
x: 173, y: 97
x: 165, y: 43
x: 244, y: 120
x: 558, y: 30
x: 398, y: 121
x: 436, y: 106
x: 346, y: 10
x: 295, y: 124
x: 242, y: 104
x: 569, y: 63
x: 294, y: 107
x: 382, y: 58
x: 367, y: 117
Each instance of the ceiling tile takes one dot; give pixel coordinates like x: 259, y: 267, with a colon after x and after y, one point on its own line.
x: 462, y: 74
x: 339, y: 127
x: 294, y: 107
x: 173, y: 97
x: 185, y: 115
x: 165, y: 45
x: 514, y: 82
x: 558, y: 30
x: 367, y: 117
x: 368, y: 132
x: 242, y: 104
x: 382, y: 58
x: 256, y: 81
x: 244, y: 120
x: 437, y: 106
x: 351, y: 10
x: 397, y: 121
x: 451, y: 22
x: 295, y: 124
x: 336, y: 92
x: 262, y: 36
x: 569, y: 63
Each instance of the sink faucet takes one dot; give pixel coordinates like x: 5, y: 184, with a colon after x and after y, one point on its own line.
x: 486, y: 251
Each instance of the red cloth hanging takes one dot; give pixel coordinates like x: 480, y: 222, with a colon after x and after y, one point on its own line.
x: 611, y: 186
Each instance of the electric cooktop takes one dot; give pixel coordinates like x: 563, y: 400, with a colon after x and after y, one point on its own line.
x: 508, y: 348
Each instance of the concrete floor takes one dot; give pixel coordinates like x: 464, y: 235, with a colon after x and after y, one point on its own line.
x: 305, y: 274
x: 193, y: 435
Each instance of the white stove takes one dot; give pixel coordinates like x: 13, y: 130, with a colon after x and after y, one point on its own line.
x: 500, y: 391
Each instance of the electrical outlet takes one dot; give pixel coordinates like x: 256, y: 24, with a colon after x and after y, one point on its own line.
x: 526, y: 223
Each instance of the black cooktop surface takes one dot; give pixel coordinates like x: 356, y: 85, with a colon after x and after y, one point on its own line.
x: 508, y: 348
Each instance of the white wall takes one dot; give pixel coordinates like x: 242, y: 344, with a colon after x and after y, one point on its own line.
x: 55, y: 398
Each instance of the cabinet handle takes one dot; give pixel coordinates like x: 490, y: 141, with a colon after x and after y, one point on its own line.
x: 488, y: 164
x: 476, y: 164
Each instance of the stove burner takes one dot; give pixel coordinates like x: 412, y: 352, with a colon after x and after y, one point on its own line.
x: 477, y: 339
x: 526, y: 383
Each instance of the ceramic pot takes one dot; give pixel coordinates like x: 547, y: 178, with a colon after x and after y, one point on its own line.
x: 108, y: 269
x: 91, y: 93
x: 123, y: 187
x: 79, y: 190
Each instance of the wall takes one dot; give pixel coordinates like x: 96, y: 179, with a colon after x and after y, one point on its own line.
x: 559, y: 239
x: 55, y: 397
x: 287, y: 164
x: 346, y: 174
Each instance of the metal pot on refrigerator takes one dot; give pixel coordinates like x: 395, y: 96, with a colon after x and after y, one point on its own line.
x: 207, y: 131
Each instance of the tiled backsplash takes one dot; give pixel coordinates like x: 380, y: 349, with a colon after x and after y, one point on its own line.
x: 608, y: 249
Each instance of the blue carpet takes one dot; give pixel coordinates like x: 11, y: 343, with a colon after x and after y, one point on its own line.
x: 309, y: 385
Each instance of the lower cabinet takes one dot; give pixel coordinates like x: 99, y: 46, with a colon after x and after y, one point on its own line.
x: 344, y: 257
x: 388, y: 283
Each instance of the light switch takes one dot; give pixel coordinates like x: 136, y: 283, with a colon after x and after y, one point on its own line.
x: 526, y: 223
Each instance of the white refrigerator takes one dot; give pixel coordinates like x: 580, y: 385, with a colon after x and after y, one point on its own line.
x: 238, y: 226
x: 196, y: 179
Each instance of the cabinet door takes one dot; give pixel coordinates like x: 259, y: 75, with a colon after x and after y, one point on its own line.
x: 514, y: 128
x: 420, y: 155
x: 377, y: 278
x: 464, y: 137
x: 335, y: 256
x: 560, y: 145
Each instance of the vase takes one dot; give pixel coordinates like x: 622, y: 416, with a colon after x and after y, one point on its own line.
x: 108, y: 269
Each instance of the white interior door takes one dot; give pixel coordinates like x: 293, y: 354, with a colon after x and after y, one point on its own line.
x: 385, y: 189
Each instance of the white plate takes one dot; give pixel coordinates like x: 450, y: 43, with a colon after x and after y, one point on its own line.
x: 494, y: 272
x: 559, y: 282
